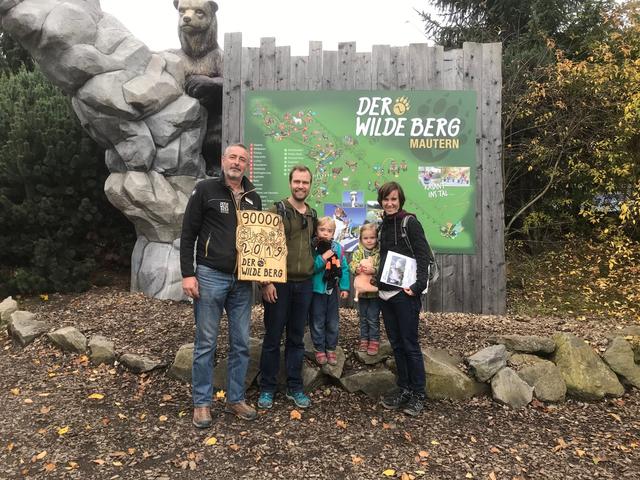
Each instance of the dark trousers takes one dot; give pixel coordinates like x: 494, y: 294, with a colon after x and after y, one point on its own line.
x: 290, y: 314
x: 323, y: 322
x: 369, y: 309
x: 401, y: 314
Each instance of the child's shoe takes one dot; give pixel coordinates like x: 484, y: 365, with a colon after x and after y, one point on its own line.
x: 321, y: 358
x: 332, y: 358
x: 364, y: 345
x: 373, y: 347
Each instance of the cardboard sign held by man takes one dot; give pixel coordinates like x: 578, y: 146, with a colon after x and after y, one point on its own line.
x: 262, y: 247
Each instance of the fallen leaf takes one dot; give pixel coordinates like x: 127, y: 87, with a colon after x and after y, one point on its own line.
x: 45, y: 410
x: 616, y: 417
x: 295, y: 415
x: 492, y: 476
x: 63, y: 430
x: 580, y: 453
x: 494, y: 450
x: 561, y: 445
x: 28, y: 401
x: 98, y: 461
x: 435, y: 442
x: 407, y: 436
x: 473, y: 439
x: 220, y: 395
x: 166, y: 398
x: 390, y: 472
x: 210, y: 441
x: 182, y: 413
x: 41, y: 455
x: 96, y: 396
x: 356, y: 460
x: 131, y: 451
x: 117, y: 464
x: 423, y: 454
x: 10, y: 446
x: 407, y: 476
x: 386, y: 426
x: 163, y: 418
x: 122, y: 416
x: 73, y: 465
x: 374, y: 422
x: 15, y: 391
x: 234, y: 447
x: 49, y: 467
x: 469, y: 475
x: 341, y: 424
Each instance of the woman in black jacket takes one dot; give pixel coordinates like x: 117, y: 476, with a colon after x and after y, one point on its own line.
x: 402, y: 233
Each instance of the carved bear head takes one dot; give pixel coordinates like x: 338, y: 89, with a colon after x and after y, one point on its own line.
x: 198, y: 26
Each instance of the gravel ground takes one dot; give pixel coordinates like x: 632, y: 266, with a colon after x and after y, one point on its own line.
x: 141, y: 425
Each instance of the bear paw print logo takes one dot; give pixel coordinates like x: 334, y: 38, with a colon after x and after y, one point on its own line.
x: 401, y: 106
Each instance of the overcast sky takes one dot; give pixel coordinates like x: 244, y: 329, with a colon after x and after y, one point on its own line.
x: 291, y: 22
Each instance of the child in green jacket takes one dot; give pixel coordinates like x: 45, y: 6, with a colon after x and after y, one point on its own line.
x: 364, y: 264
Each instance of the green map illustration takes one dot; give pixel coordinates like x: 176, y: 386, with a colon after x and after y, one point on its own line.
x: 355, y: 141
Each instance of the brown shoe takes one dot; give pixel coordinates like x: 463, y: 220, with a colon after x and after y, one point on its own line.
x: 332, y: 357
x: 364, y: 345
x: 202, y: 417
x: 241, y: 410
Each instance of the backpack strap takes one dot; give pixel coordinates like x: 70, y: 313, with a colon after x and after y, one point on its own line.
x: 434, y: 270
x: 404, y: 233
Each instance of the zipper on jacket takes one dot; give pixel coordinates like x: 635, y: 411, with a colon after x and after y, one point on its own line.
x: 206, y: 247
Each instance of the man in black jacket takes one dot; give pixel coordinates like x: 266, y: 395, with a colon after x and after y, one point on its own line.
x: 210, y: 219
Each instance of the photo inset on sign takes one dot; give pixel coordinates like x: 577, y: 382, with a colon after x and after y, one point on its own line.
x: 430, y: 177
x: 455, y: 176
x: 348, y: 221
x: 353, y: 199
x: 374, y: 212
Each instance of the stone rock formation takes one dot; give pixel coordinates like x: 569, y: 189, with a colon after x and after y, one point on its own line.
x: 132, y: 101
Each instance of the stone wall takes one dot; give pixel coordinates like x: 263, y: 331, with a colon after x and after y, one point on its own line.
x: 514, y: 371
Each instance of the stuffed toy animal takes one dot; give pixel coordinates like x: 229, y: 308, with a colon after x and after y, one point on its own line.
x: 364, y: 282
x: 332, y: 272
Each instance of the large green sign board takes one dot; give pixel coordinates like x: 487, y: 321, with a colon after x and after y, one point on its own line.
x: 354, y: 141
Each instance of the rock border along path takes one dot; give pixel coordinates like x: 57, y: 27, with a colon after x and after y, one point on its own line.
x: 515, y: 370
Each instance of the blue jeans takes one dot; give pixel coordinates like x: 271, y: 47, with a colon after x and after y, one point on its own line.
x: 323, y: 322
x: 369, y: 309
x: 401, y: 316
x: 220, y: 290
x: 290, y: 311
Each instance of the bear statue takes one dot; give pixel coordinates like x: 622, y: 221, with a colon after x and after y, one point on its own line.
x: 202, y: 60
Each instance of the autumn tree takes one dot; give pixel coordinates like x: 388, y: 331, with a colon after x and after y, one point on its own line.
x: 585, y: 123
x: 532, y: 34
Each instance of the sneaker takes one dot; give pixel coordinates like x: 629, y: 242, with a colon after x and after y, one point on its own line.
x: 300, y: 399
x: 374, y: 345
x: 241, y: 410
x: 332, y: 358
x: 321, y: 358
x: 396, y: 398
x: 415, y: 405
x: 265, y: 401
x: 364, y: 345
x: 202, y: 417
